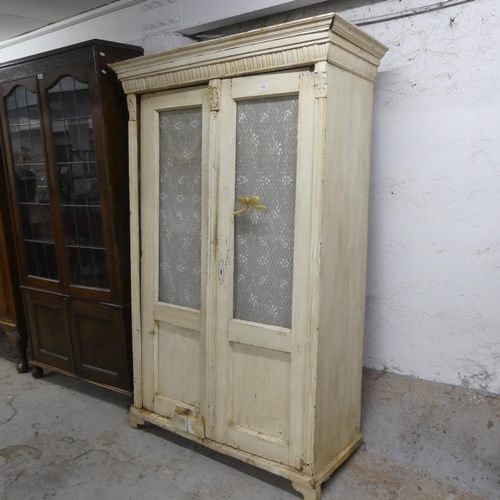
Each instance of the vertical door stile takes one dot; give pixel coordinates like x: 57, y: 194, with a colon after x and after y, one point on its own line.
x: 302, y: 277
x: 225, y: 231
x: 209, y: 249
x: 149, y: 235
x: 135, y: 246
x: 304, y: 351
x: 154, y: 217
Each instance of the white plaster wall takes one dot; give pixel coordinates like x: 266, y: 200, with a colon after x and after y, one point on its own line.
x: 433, y: 297
x: 433, y: 294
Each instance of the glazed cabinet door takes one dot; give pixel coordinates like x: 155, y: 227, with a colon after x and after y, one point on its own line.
x: 175, y: 235
x: 30, y: 179
x: 264, y: 264
x: 75, y: 151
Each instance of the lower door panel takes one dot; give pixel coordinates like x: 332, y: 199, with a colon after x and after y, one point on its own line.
x: 99, y: 343
x: 49, y: 329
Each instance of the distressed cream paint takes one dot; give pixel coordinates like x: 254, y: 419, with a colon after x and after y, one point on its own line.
x: 285, y: 399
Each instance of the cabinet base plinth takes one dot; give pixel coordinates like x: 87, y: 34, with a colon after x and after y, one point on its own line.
x: 309, y: 486
x: 136, y: 420
x: 309, y: 492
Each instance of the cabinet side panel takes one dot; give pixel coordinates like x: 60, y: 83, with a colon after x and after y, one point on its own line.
x: 343, y: 263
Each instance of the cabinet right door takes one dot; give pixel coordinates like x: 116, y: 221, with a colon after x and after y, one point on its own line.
x: 264, y: 263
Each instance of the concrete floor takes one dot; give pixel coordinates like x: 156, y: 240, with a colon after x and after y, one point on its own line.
x: 63, y: 439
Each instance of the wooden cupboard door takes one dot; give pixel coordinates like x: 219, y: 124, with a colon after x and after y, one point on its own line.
x: 48, y: 325
x: 174, y: 222
x: 7, y: 308
x: 29, y: 175
x: 265, y: 198
x: 75, y: 150
x: 99, y: 346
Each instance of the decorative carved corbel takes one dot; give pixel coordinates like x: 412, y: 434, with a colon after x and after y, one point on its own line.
x: 214, y: 95
x: 132, y: 107
x: 320, y: 79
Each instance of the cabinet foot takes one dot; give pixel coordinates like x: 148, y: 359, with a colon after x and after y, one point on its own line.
x: 36, y: 371
x: 309, y: 492
x: 136, y: 420
x: 23, y: 366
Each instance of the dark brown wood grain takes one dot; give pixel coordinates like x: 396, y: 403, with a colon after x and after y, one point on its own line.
x: 76, y: 328
x: 12, y: 317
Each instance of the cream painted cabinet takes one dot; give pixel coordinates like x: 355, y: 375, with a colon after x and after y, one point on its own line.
x: 249, y: 229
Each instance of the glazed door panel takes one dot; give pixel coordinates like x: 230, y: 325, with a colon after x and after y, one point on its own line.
x: 29, y: 178
x: 74, y: 149
x: 174, y: 225
x: 262, y: 293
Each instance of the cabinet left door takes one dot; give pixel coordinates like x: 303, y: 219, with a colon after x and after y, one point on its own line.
x: 47, y: 316
x: 176, y: 227
x: 30, y: 185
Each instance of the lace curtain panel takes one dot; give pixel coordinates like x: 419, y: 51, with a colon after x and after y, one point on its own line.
x: 180, y: 207
x: 266, y: 164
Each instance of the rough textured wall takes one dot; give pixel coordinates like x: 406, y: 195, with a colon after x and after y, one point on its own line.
x: 433, y: 296
x: 433, y: 304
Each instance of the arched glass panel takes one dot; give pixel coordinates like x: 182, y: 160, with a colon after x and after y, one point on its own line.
x: 78, y: 184
x: 32, y: 184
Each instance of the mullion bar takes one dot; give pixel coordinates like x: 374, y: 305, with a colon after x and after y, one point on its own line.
x: 59, y: 85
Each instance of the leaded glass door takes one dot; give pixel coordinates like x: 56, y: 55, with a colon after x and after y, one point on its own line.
x: 175, y: 239
x: 75, y: 150
x: 264, y: 195
x: 30, y: 176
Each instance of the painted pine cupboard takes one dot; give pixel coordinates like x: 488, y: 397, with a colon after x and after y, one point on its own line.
x: 249, y: 168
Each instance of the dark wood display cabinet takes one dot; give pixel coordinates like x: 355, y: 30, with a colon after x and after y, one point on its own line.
x: 64, y: 126
x: 12, y: 317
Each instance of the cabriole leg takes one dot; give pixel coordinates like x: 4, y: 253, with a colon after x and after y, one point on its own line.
x: 308, y: 491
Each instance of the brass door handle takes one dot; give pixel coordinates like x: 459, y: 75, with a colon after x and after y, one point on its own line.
x: 249, y: 201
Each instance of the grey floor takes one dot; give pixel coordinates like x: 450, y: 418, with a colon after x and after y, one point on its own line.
x: 66, y: 440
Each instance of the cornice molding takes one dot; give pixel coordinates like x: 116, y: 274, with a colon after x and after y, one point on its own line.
x: 289, y: 45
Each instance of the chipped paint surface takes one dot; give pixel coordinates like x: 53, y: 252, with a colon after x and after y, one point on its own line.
x: 433, y: 289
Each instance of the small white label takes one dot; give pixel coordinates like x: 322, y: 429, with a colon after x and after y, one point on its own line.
x: 39, y: 76
x: 102, y: 54
x: 104, y: 71
x: 262, y: 86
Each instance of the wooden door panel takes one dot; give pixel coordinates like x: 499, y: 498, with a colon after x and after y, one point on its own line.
x: 263, y: 309
x: 174, y: 225
x: 49, y: 329
x: 99, y: 343
x: 259, y: 402
x: 7, y: 309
